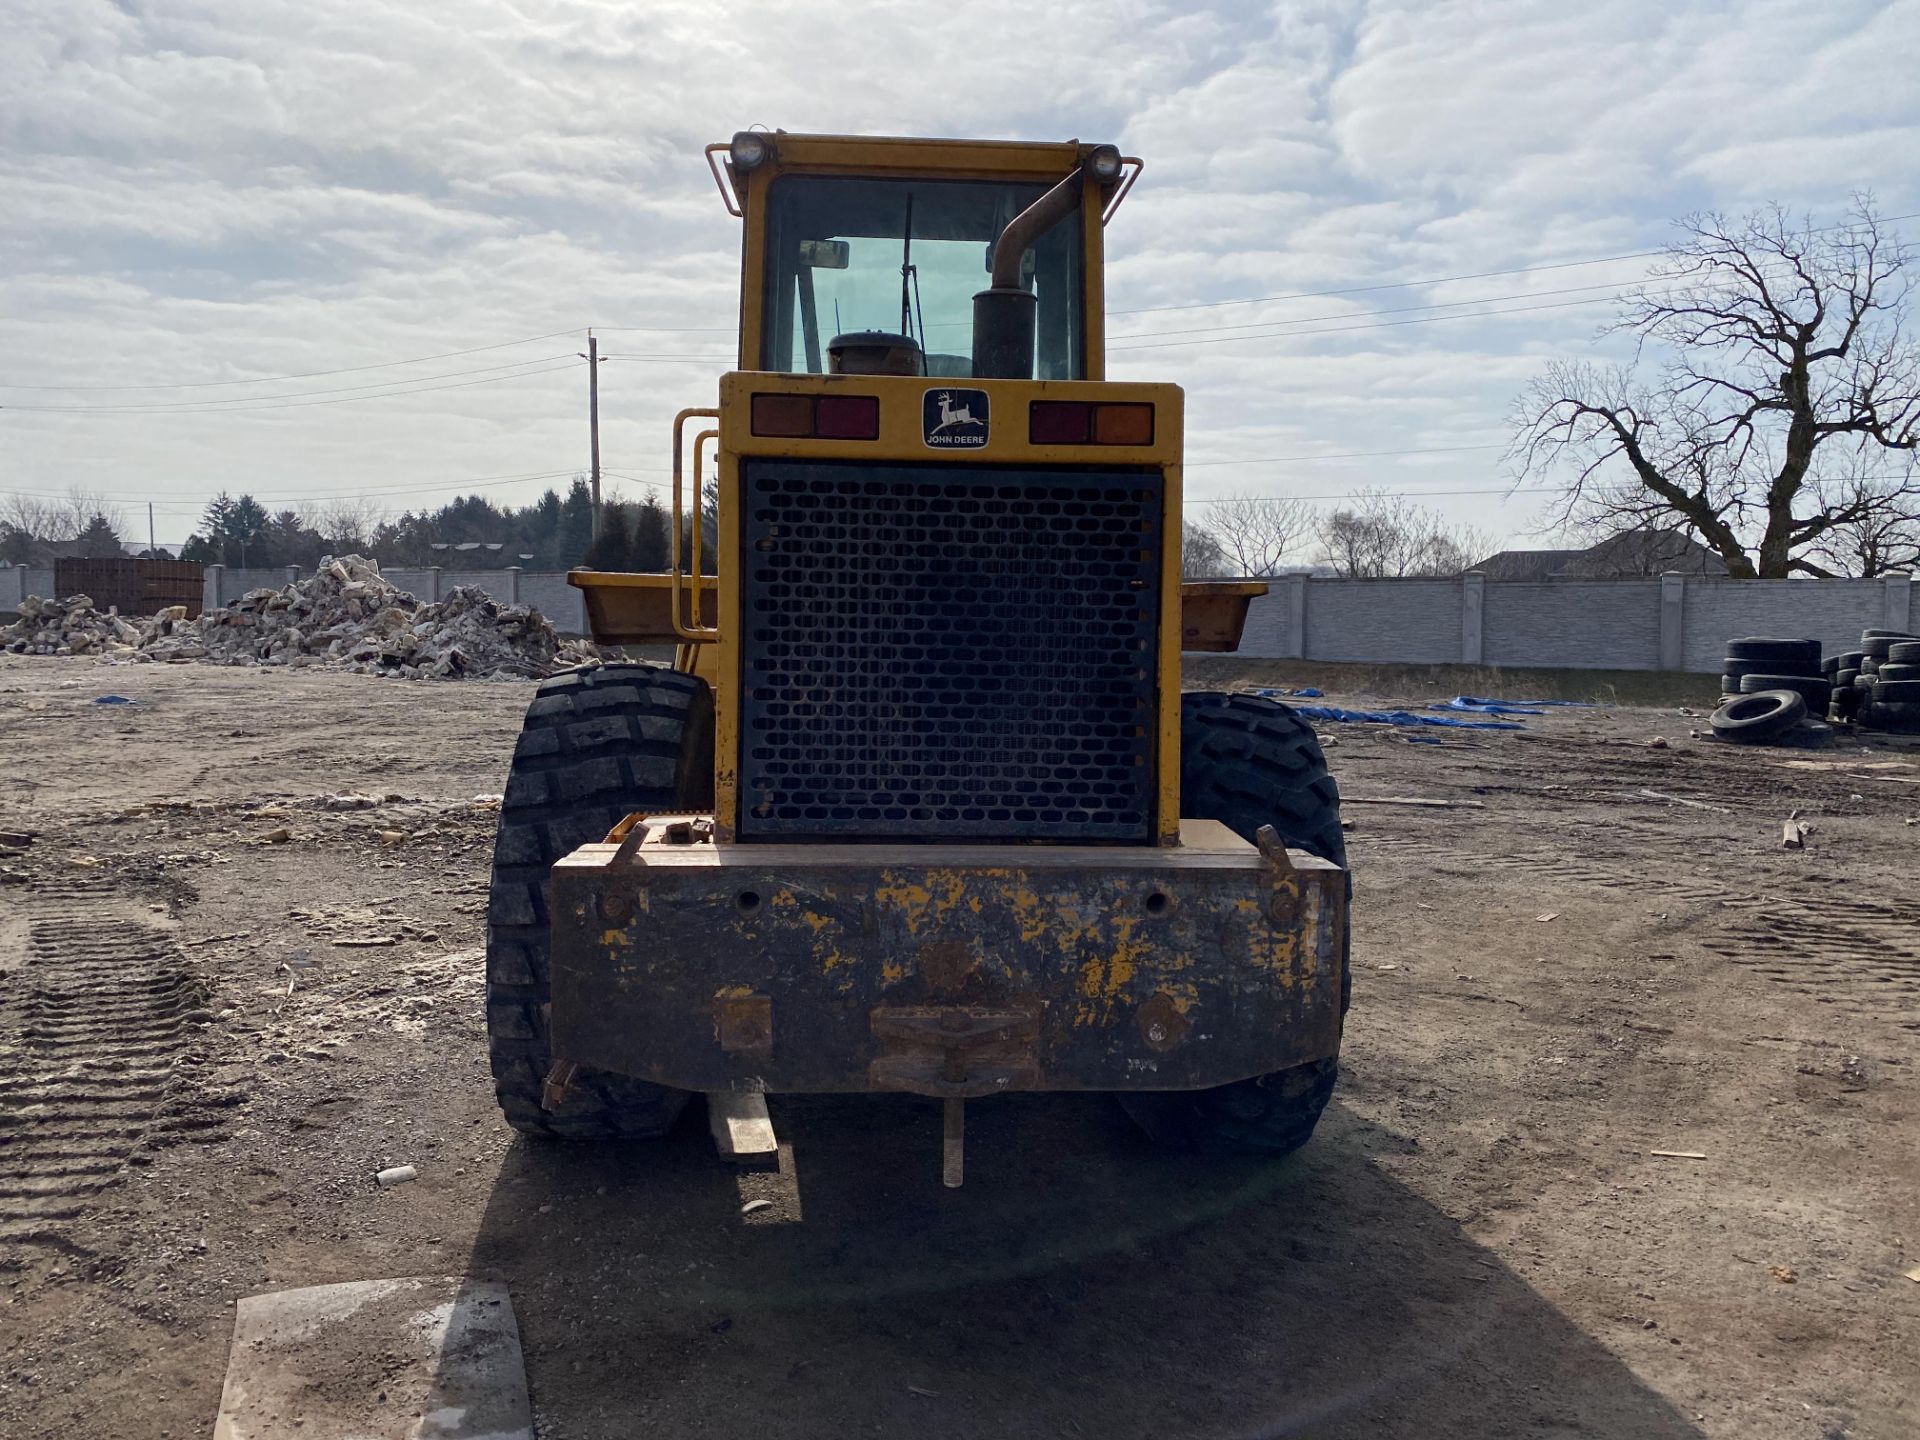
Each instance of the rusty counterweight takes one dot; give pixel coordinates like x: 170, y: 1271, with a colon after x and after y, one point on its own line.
x: 954, y: 971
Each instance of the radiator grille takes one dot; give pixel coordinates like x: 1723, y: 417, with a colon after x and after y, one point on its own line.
x: 943, y: 654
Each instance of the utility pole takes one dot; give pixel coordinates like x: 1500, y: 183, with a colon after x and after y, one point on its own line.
x: 150, y: 545
x: 593, y: 421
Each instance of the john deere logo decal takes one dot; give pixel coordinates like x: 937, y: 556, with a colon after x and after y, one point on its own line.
x: 954, y: 419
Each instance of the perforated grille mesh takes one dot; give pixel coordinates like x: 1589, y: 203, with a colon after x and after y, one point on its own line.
x: 946, y: 654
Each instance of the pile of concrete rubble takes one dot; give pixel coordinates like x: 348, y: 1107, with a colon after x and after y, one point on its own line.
x: 68, y: 627
x: 345, y: 616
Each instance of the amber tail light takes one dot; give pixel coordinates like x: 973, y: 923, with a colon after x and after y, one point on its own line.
x: 821, y: 417
x: 1086, y: 422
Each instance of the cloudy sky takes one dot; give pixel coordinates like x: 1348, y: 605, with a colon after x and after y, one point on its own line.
x: 214, y: 218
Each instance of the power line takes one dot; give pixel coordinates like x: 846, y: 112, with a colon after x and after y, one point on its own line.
x: 1379, y: 325
x: 1342, y: 455
x: 1376, y: 489
x: 635, y: 479
x: 1387, y: 285
x: 1611, y: 286
x: 240, y: 407
x: 305, y: 375
x: 1441, y: 279
x: 476, y: 482
x: 236, y: 401
x: 672, y: 359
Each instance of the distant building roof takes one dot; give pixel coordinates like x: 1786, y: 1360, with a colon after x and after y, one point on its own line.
x: 1631, y: 554
x: 1524, y: 564
x: 1644, y: 552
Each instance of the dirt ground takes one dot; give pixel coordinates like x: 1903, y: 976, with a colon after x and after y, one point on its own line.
x: 224, y: 1006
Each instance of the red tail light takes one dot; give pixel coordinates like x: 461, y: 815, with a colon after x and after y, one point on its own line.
x: 825, y: 417
x: 847, y: 417
x: 1060, y: 422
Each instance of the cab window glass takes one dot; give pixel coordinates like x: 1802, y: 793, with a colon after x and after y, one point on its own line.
x: 907, y: 257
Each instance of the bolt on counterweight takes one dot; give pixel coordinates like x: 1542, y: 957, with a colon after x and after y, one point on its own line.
x: 954, y: 1145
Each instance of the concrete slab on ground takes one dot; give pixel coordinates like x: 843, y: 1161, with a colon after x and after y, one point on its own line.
x: 373, y: 1359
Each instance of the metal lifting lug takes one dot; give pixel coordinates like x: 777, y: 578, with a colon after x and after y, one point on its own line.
x: 560, y: 1078
x: 1274, y: 848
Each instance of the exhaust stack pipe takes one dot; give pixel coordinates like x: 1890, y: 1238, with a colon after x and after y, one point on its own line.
x: 1003, y: 316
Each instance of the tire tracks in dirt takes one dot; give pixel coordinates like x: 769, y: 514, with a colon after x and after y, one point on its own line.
x: 1859, y: 955
x: 95, y: 1024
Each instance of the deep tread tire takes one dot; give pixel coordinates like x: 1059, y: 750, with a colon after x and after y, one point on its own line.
x: 1902, y: 719
x: 1733, y: 671
x: 598, y: 743
x: 1791, y: 657
x: 1816, y: 690
x: 1756, y: 719
x: 1247, y: 761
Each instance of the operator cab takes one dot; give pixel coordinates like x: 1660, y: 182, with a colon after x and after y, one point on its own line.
x: 943, y: 259
x: 889, y: 268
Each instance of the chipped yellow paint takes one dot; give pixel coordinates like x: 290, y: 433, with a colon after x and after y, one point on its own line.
x: 928, y: 901
x: 615, y: 939
x: 1106, y: 980
x: 1028, y: 913
x: 911, y: 899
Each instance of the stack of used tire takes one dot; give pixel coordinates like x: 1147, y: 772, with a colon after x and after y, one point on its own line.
x: 1844, y: 708
x: 1886, y: 683
x: 1769, y: 688
x: 1756, y: 664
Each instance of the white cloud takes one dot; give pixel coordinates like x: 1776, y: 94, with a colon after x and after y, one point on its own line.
x: 200, y: 191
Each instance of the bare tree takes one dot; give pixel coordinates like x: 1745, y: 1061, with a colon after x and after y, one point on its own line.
x: 1878, y: 531
x: 348, y: 523
x: 1773, y: 399
x: 76, y: 512
x: 64, y: 518
x: 1201, y: 557
x: 1383, y: 535
x: 29, y: 515
x: 1255, y: 533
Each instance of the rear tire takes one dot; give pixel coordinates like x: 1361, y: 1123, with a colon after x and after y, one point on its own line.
x: 1246, y: 762
x: 597, y: 744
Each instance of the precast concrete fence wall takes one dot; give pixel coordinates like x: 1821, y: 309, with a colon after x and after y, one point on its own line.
x: 1672, y: 622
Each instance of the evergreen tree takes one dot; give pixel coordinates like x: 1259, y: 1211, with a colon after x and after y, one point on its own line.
x: 612, y: 549
x: 576, y: 525
x: 16, y: 544
x: 652, y: 534
x: 98, y: 542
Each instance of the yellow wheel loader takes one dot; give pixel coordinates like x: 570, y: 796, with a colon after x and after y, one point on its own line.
x: 920, y: 806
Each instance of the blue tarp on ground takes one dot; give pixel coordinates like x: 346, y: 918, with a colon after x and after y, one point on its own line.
x: 1476, y: 702
x: 1391, y: 717
x: 1487, y: 707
